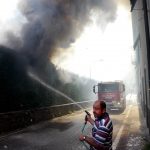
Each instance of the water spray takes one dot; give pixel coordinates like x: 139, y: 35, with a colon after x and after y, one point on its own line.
x: 35, y: 77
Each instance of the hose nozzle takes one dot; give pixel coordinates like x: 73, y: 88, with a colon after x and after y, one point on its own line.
x: 87, y: 113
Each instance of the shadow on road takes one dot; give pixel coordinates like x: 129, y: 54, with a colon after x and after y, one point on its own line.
x: 48, y: 126
x: 60, y: 126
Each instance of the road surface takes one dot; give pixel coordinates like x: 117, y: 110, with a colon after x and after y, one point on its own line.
x: 62, y: 133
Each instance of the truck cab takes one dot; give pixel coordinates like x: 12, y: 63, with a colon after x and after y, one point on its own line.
x: 113, y: 93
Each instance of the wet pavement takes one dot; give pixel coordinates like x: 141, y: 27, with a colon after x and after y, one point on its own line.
x: 62, y: 133
x: 135, y: 132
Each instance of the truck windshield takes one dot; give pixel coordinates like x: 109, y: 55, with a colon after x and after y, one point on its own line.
x: 108, y: 87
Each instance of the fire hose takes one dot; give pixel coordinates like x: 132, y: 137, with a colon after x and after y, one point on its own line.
x: 87, y: 113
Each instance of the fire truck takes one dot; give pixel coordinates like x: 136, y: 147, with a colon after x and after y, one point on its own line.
x: 113, y: 93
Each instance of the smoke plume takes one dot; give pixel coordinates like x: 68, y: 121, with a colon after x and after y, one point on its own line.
x: 54, y: 24
x: 46, y: 26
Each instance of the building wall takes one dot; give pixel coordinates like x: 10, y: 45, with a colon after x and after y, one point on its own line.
x: 141, y: 49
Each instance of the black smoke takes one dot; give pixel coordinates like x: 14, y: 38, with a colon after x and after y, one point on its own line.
x: 53, y: 24
x: 48, y: 26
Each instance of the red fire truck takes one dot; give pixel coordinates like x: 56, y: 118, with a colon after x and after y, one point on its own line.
x: 113, y: 93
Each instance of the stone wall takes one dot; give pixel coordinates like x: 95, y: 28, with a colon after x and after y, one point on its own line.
x: 12, y: 121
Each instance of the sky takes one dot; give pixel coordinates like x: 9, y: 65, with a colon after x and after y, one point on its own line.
x: 103, y: 54
x: 10, y: 18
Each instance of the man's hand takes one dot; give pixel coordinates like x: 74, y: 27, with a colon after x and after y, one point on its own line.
x: 81, y: 138
x: 92, y: 142
x: 89, y: 119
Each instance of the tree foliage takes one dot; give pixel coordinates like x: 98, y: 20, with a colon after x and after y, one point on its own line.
x: 19, y: 91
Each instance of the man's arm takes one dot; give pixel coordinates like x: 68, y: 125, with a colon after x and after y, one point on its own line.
x: 91, y: 142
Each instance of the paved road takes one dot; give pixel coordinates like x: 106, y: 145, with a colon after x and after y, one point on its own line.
x: 59, y: 134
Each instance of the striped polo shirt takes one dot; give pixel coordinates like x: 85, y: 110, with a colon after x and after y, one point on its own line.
x: 102, y: 131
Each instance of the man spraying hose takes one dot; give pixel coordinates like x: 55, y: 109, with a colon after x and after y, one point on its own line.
x: 102, y: 128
